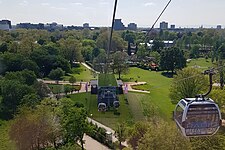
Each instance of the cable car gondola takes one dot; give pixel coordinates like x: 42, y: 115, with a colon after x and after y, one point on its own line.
x: 198, y: 116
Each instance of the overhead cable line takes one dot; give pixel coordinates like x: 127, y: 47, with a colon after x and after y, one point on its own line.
x: 157, y: 20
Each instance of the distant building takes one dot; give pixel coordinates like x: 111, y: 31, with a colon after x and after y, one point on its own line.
x: 30, y: 26
x: 219, y: 27
x: 118, y: 25
x: 86, y: 25
x: 132, y: 26
x: 164, y: 25
x: 5, y: 25
x: 172, y: 26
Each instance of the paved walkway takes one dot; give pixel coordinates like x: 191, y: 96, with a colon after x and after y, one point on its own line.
x: 130, y: 84
x: 114, y: 139
x: 92, y: 144
x: 88, y: 67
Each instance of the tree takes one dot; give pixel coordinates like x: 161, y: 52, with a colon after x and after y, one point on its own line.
x: 36, y: 128
x: 71, y: 50
x: 221, y: 61
x: 142, y: 52
x: 120, y: 133
x: 171, y: 59
x: 25, y: 77
x: 118, y: 43
x: 187, y: 83
x: 30, y: 100
x: 42, y: 89
x: 195, y: 51
x: 30, y: 65
x: 163, y: 135
x: 100, y: 62
x: 12, y: 93
x: 56, y: 74
x: 72, y: 80
x: 119, y: 63
x: 136, y: 133
x: 158, y: 45
x: 73, y: 122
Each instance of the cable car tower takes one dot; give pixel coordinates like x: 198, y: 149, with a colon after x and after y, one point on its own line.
x: 199, y: 116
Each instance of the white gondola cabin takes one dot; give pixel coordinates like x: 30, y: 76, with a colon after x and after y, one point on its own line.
x: 197, y: 117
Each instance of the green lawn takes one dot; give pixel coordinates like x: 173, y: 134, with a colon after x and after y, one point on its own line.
x: 108, y: 118
x: 106, y: 80
x: 158, y: 85
x: 81, y: 74
x: 201, y: 63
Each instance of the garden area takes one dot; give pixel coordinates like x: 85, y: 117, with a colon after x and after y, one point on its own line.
x: 59, y: 88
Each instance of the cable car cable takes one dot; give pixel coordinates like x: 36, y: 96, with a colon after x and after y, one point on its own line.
x: 157, y: 20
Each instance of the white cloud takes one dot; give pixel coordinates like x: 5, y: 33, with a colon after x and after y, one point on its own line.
x: 23, y: 3
x: 77, y: 3
x: 58, y: 8
x: 149, y: 4
x: 45, y: 4
x: 0, y: 2
x: 104, y: 3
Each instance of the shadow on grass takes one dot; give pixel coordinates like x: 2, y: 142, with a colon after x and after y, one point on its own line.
x: 168, y: 74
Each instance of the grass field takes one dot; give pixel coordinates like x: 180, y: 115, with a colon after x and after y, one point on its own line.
x: 108, y: 118
x: 201, y: 63
x: 158, y: 85
x: 81, y: 74
x: 106, y: 80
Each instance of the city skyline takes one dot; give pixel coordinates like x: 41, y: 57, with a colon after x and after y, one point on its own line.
x: 143, y: 12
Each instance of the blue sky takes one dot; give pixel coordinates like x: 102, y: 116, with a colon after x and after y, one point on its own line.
x: 185, y: 13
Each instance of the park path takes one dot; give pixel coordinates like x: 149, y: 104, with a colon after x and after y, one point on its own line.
x: 130, y: 84
x: 92, y: 144
x: 114, y: 139
x: 88, y: 67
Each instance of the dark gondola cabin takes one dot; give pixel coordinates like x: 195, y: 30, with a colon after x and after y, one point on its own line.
x: 197, y: 117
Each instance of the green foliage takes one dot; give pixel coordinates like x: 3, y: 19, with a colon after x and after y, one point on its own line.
x: 40, y: 125
x: 162, y: 135
x: 171, y: 59
x: 218, y: 96
x: 195, y: 51
x: 24, y: 77
x: 73, y: 122
x: 187, y: 83
x: 42, y: 89
x: 72, y: 79
x: 215, y: 142
x: 12, y: 62
x: 5, y: 142
x: 120, y: 133
x: 12, y: 94
x: 56, y: 74
x: 30, y: 65
x: 119, y: 65
x: 118, y: 43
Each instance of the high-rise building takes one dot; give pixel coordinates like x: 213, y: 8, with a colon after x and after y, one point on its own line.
x: 118, y: 25
x: 172, y: 26
x: 5, y: 25
x: 86, y: 25
x: 164, y: 25
x: 132, y: 26
x: 219, y: 27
